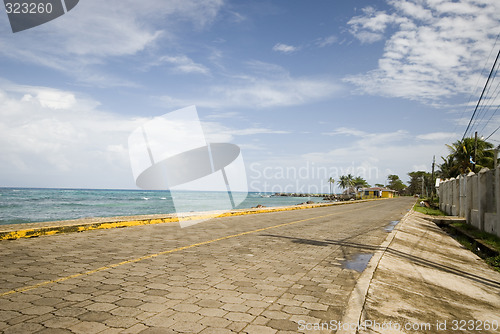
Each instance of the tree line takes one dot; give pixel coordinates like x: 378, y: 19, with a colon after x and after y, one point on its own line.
x: 418, y: 181
x: 354, y: 184
x: 466, y: 155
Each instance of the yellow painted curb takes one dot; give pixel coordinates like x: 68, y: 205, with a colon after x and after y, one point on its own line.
x: 51, y: 230
x: 36, y: 232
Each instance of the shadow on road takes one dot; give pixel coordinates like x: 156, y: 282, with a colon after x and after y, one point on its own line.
x: 410, y: 257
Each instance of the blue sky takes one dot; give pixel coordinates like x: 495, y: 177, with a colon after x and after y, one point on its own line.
x: 326, y: 88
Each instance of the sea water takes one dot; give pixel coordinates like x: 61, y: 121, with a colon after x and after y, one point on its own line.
x: 26, y: 205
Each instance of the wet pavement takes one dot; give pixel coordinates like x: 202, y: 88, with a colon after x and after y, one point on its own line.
x: 357, y: 262
x: 264, y: 273
x: 391, y: 226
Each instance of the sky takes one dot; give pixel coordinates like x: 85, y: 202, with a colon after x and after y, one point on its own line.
x: 307, y: 89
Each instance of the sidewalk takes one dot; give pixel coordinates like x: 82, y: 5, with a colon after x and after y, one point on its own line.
x: 426, y: 282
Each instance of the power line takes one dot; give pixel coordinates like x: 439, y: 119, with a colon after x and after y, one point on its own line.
x: 482, y: 93
x: 492, y: 133
x: 491, y: 117
x: 489, y: 100
x: 477, y: 84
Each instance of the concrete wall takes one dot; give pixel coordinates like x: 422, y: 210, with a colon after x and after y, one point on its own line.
x: 476, y: 197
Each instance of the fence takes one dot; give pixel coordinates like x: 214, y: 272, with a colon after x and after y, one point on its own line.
x: 476, y: 197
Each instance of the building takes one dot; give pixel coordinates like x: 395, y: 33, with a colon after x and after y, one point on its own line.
x: 376, y: 192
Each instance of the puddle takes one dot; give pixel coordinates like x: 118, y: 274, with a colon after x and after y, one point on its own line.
x: 391, y: 226
x: 356, y: 262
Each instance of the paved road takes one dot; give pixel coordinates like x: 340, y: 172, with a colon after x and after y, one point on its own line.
x: 263, y: 273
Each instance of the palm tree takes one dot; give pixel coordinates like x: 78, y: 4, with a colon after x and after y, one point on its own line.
x: 332, y: 182
x: 448, y: 168
x: 461, y: 157
x: 346, y: 181
x: 359, y: 182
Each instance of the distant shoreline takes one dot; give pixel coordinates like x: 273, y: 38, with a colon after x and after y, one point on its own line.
x: 33, y: 205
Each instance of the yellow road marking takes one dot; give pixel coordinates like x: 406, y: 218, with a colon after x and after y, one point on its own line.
x: 146, y: 257
x: 51, y: 230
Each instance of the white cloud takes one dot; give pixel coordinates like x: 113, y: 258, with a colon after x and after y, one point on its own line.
x: 437, y: 136
x: 273, y: 93
x: 184, y: 64
x: 96, y: 30
x: 58, y: 138
x: 346, y: 131
x: 371, y: 139
x: 221, y: 115
x: 435, y: 52
x: 375, y: 155
x: 280, y: 47
x: 262, y: 94
x: 54, y: 99
x: 370, y: 26
x: 413, y: 9
x: 237, y: 17
x: 322, y: 42
x: 363, y: 157
x: 268, y: 85
x: 217, y: 132
x: 256, y: 131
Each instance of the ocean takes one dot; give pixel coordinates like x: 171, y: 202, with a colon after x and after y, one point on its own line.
x: 29, y: 205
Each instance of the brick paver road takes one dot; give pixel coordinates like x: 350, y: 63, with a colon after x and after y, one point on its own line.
x: 260, y: 273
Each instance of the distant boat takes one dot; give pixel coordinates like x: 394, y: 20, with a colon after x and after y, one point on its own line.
x: 265, y: 196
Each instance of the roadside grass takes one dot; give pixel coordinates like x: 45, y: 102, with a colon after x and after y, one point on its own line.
x: 487, y: 238
x: 457, y: 231
x: 428, y: 211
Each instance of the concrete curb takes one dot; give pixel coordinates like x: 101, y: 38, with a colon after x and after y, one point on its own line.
x: 23, y: 230
x: 355, y: 305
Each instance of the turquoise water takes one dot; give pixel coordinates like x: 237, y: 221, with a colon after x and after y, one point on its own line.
x: 26, y: 205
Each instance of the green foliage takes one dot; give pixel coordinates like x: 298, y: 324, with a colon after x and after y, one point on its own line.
x: 494, y: 262
x: 416, y: 180
x: 395, y: 183
x: 462, y: 153
x: 352, y: 183
x: 346, y: 181
x: 359, y: 182
x: 428, y: 211
x: 486, y: 238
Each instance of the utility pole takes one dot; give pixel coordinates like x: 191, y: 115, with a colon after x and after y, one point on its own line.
x: 475, y: 150
x: 496, y: 156
x: 432, y: 177
x: 422, y: 193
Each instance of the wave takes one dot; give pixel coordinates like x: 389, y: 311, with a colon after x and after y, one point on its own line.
x: 15, y: 221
